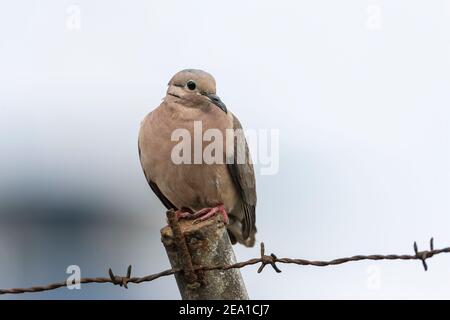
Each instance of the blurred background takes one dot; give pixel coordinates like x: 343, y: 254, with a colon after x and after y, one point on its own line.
x: 359, y: 91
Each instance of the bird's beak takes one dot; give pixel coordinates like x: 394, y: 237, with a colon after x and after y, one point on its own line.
x: 216, y: 100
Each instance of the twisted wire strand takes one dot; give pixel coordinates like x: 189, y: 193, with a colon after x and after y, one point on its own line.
x: 263, y: 260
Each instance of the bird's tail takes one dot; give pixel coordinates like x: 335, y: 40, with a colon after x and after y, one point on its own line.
x: 235, y: 233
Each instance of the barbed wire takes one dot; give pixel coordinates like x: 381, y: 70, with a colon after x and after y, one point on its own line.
x: 263, y: 260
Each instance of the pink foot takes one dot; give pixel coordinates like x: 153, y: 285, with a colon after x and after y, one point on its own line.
x: 183, y: 214
x: 204, y: 214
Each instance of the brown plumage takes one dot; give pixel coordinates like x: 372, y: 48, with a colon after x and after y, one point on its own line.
x: 191, y: 96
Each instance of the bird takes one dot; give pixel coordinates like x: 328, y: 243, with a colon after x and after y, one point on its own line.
x: 200, y: 190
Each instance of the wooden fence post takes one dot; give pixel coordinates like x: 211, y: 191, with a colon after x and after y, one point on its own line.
x: 203, y: 244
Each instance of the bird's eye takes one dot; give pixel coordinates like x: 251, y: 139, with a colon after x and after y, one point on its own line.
x: 191, y: 85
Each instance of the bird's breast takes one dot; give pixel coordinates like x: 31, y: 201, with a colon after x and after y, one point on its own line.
x: 186, y: 184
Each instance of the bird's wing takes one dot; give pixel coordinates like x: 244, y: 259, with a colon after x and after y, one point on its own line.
x: 244, y: 179
x: 166, y: 202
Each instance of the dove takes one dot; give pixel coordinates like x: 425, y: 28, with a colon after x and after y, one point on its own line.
x: 199, y: 190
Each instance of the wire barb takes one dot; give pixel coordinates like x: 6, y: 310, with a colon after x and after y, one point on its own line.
x: 424, y: 255
x: 265, y: 260
x: 121, y: 281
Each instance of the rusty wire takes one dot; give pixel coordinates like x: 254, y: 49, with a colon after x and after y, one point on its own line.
x: 263, y: 260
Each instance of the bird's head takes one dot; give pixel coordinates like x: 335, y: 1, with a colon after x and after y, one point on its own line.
x: 195, y: 88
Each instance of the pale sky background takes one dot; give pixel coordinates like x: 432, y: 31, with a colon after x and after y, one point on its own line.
x: 359, y: 91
